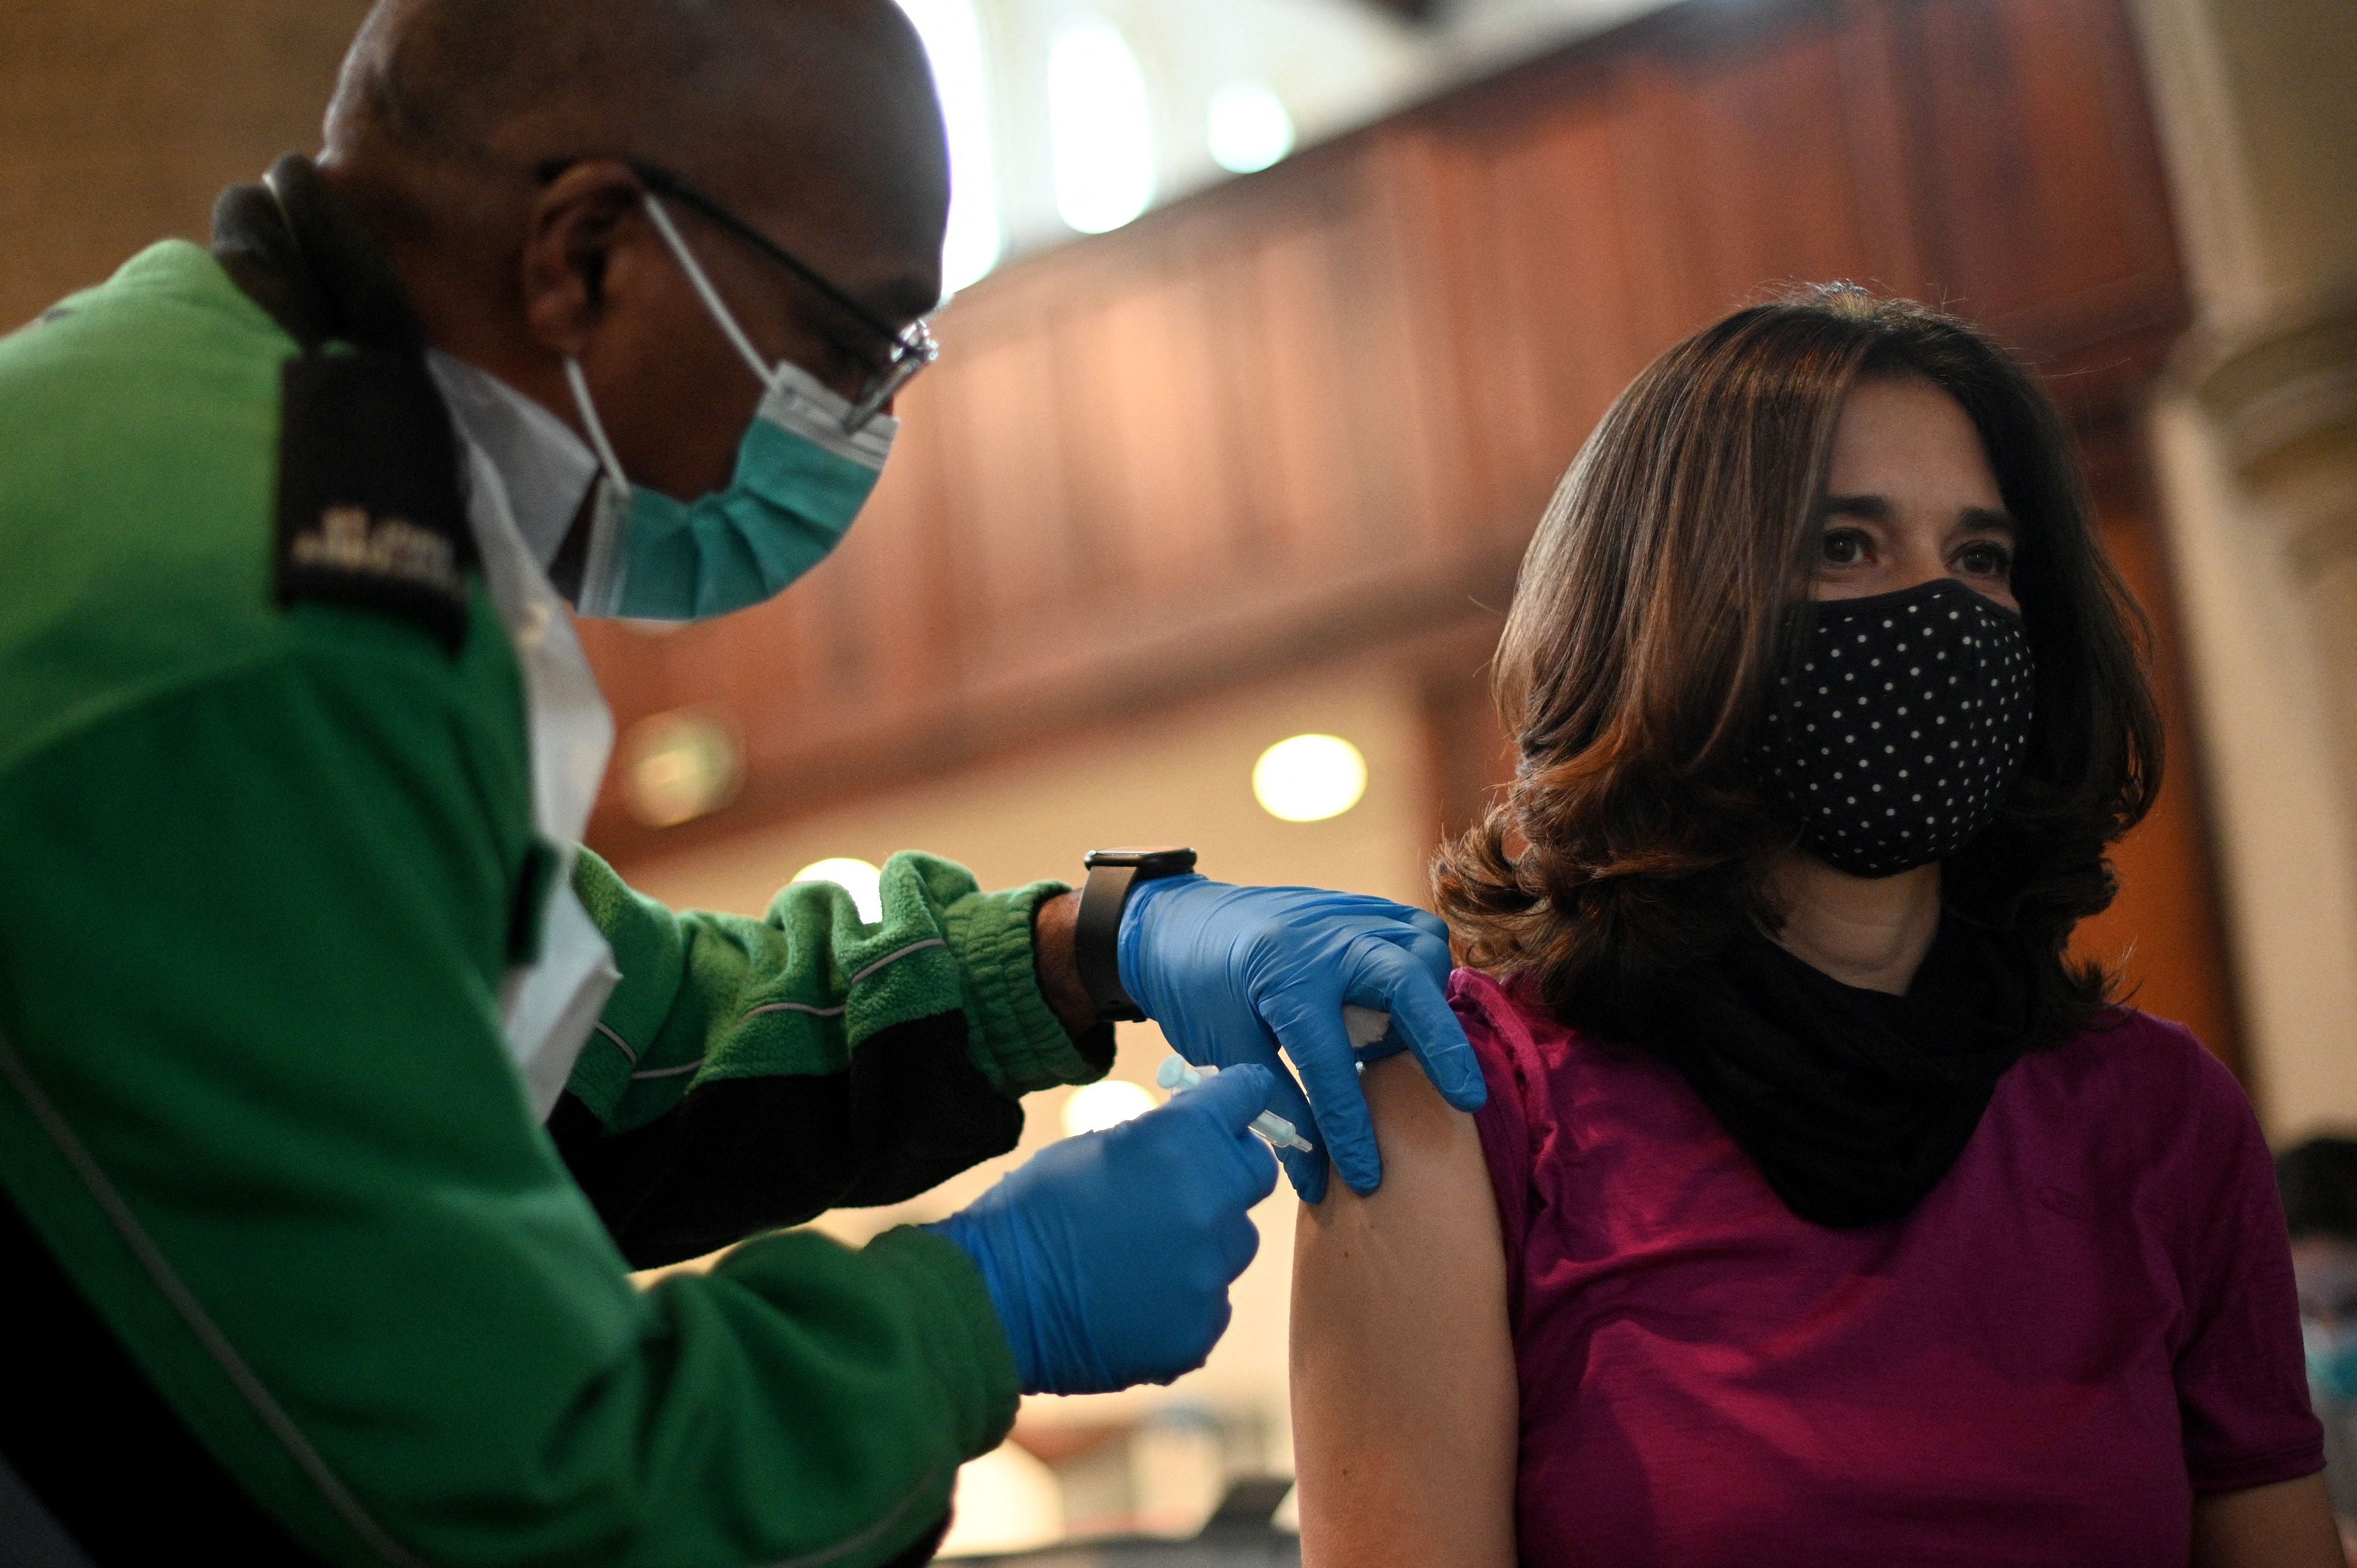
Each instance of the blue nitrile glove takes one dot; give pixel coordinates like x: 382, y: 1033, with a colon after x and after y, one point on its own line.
x: 1234, y: 973
x: 1109, y: 1255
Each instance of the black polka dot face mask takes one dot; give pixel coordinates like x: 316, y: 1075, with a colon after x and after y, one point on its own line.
x: 1898, y: 737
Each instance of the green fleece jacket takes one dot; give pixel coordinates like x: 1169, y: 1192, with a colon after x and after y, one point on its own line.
x: 263, y: 865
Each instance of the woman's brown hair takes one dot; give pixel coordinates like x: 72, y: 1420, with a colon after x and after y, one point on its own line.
x: 1666, y: 587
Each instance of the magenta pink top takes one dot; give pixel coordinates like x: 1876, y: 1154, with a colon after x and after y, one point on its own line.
x: 2090, y: 1320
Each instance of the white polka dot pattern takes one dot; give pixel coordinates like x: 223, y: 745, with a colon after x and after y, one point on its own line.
x: 1897, y: 740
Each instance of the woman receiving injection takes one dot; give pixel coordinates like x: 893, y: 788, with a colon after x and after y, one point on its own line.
x: 1824, y: 1210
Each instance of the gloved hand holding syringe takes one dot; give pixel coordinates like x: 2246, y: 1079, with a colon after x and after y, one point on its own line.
x: 1175, y: 1075
x: 1365, y: 1027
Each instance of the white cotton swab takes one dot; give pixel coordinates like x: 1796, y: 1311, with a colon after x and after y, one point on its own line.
x: 1364, y: 1025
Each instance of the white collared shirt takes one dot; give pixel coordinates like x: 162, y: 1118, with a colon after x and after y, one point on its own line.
x: 526, y: 475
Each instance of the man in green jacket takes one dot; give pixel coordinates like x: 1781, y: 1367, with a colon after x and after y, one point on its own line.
x: 340, y: 1088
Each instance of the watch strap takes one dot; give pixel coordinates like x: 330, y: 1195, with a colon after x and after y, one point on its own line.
x: 1096, y: 935
x: 1096, y: 941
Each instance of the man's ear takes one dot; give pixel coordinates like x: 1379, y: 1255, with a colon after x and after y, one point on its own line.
x: 569, y: 237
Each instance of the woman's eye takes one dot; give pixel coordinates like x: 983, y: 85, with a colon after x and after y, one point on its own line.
x: 1986, y: 559
x: 1844, y: 547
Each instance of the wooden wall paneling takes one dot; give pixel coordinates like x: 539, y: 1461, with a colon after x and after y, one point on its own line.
x: 1667, y: 261
x: 776, y: 674
x: 843, y: 631
x: 1471, y: 756
x: 646, y: 668
x: 1232, y: 351
x: 1872, y: 64
x: 2044, y: 209
x: 1148, y: 449
x: 1009, y: 501
x: 1470, y: 331
x: 1092, y: 378
x: 1302, y: 469
x: 1427, y: 435
x: 1561, y: 319
x: 634, y: 667
x: 915, y: 491
x: 880, y: 634
x: 1763, y: 125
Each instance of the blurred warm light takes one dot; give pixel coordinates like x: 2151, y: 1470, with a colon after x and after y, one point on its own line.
x: 1310, y: 777
x: 1109, y: 1102
x: 952, y: 39
x: 1005, y: 1501
x: 678, y: 766
x: 1249, y: 128
x: 863, y: 881
x: 1103, y: 132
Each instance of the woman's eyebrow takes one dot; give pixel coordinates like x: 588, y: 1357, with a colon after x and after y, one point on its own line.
x: 1986, y: 519
x: 1872, y: 509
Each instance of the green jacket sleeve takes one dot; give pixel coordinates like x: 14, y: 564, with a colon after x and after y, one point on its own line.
x: 749, y: 1074
x: 256, y: 1100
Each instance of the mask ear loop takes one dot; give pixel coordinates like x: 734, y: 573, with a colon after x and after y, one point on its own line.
x: 604, y: 448
x: 764, y: 373
x: 598, y: 584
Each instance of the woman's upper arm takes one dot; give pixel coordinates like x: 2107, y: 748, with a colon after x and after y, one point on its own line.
x: 1405, y: 1411
x: 2287, y: 1525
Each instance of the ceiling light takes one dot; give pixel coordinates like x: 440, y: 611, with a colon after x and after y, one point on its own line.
x: 1108, y: 1102
x: 1101, y: 128
x: 1249, y: 128
x: 678, y: 766
x: 1310, y: 777
x: 863, y: 881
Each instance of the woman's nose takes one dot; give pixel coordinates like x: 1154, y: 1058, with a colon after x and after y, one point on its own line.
x: 1914, y: 567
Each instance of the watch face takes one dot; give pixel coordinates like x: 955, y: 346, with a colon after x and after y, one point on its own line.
x: 1162, y: 860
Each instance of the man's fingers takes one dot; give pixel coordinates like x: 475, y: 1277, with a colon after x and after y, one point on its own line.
x: 1263, y: 1163
x: 1432, y: 952
x: 1438, y: 1041
x: 1234, y: 1096
x: 1421, y: 1015
x: 1305, y: 1169
x: 1426, y: 936
x: 1320, y: 1052
x: 1240, y: 1241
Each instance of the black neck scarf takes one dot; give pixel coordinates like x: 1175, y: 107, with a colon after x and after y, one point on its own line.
x: 1852, y: 1104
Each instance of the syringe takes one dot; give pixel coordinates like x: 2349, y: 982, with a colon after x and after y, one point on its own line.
x: 1365, y: 1025
x: 1176, y: 1074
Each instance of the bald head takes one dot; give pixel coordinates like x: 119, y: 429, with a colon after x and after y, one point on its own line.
x: 823, y: 106
x: 495, y: 150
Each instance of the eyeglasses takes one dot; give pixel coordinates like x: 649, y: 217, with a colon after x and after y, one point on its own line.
x: 906, y: 349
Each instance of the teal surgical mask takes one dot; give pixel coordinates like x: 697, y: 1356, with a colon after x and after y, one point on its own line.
x: 800, y: 478
x: 2331, y: 1362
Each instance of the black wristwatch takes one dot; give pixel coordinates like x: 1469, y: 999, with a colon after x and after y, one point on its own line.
x: 1096, y: 935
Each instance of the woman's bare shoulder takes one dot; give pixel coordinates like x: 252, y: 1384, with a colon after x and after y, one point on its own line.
x: 1403, y: 1401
